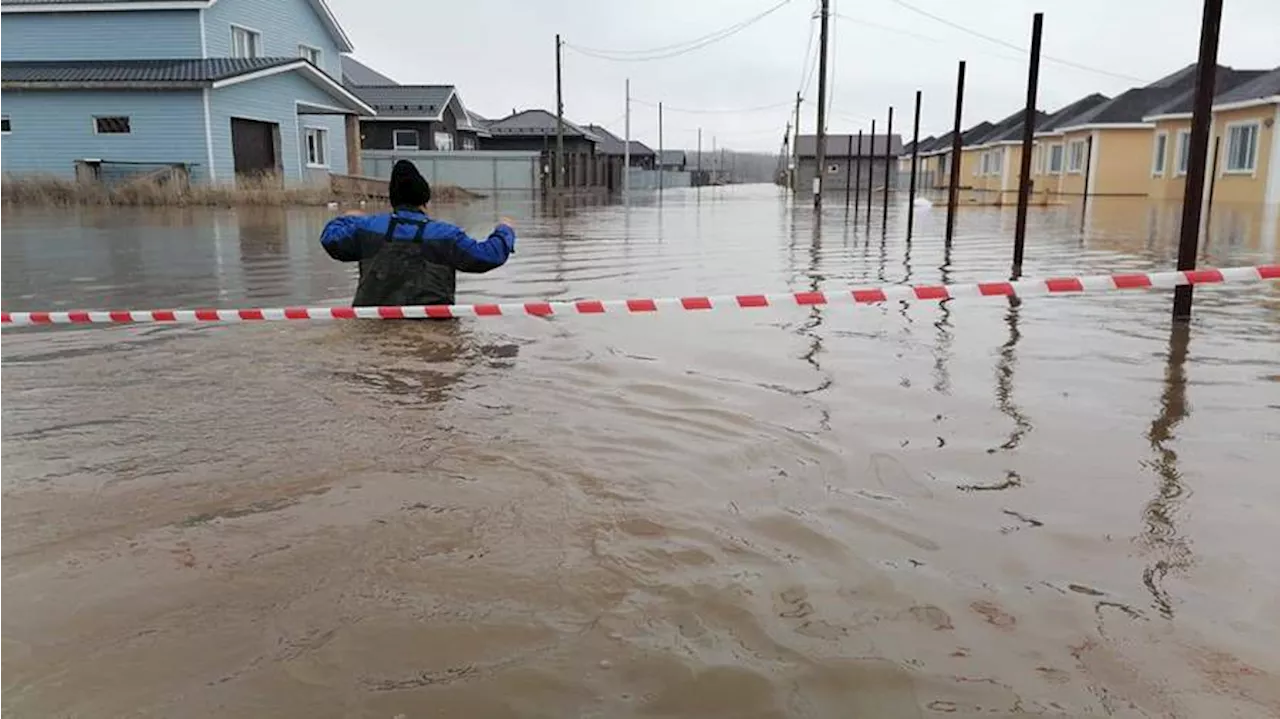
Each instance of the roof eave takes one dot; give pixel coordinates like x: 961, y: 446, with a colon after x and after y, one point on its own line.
x: 321, y: 78
x: 1246, y: 104
x: 105, y: 85
x: 1107, y: 126
x: 400, y: 118
x: 48, y: 7
x: 1167, y: 116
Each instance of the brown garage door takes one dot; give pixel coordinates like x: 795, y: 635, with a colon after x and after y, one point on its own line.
x: 253, y: 145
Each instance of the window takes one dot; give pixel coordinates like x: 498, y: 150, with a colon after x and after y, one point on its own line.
x: 1184, y: 151
x: 5, y: 127
x: 1055, y: 159
x: 468, y: 143
x: 1160, y: 152
x: 1037, y: 160
x: 443, y: 141
x: 1075, y: 159
x: 317, y: 146
x: 1242, y: 147
x: 112, y: 125
x: 404, y: 139
x: 310, y: 54
x: 833, y: 169
x: 245, y: 42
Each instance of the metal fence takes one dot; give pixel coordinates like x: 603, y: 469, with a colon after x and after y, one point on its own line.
x: 479, y: 171
x: 649, y: 179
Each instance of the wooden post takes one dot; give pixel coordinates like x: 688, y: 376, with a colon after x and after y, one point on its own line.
x: 821, y: 149
x: 1201, y: 120
x: 888, y: 155
x: 953, y: 190
x: 557, y: 175
x: 1028, y: 133
x: 353, y: 146
x: 915, y: 158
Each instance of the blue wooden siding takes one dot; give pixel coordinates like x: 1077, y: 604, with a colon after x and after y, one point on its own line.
x: 133, y: 35
x: 274, y: 99
x: 284, y: 24
x: 53, y: 129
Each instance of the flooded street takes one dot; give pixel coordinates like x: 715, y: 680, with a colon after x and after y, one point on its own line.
x: 1053, y: 507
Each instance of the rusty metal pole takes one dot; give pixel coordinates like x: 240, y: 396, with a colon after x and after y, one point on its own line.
x: 848, y: 172
x: 556, y: 178
x: 1028, y: 133
x: 1201, y: 118
x: 857, y: 175
x: 871, y: 169
x: 888, y: 160
x: 915, y: 158
x: 953, y: 189
x: 1088, y: 169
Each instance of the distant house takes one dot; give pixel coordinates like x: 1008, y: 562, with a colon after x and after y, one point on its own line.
x: 848, y: 161
x: 1171, y: 136
x: 219, y: 87
x: 934, y: 162
x: 1049, y: 157
x: 997, y: 159
x: 415, y: 117
x: 674, y: 160
x: 536, y: 130
x: 641, y: 156
x: 1109, y: 146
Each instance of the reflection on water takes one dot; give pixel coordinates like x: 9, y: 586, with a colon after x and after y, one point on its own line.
x: 738, y: 514
x: 1161, y: 535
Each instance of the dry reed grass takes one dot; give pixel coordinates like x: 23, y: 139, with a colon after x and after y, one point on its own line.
x: 266, y: 190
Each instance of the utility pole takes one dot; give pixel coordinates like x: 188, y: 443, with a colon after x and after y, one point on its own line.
x: 821, y: 149
x: 1201, y: 118
x: 699, y: 157
x: 1028, y: 133
x: 660, y: 158
x: 795, y: 148
x: 626, y: 149
x: 557, y: 179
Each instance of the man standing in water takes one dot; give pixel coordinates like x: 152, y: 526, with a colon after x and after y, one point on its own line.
x: 407, y: 258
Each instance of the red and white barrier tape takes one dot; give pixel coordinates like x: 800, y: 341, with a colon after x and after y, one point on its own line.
x: 870, y: 295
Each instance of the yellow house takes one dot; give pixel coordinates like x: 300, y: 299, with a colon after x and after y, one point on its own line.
x: 935, y: 163
x: 1049, y: 154
x: 996, y: 160
x: 1171, y: 136
x: 1244, y: 151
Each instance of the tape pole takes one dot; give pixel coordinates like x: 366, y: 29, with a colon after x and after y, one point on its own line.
x: 868, y: 295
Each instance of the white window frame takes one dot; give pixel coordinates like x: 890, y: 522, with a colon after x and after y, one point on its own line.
x: 322, y: 144
x: 833, y: 169
x: 468, y: 142
x: 305, y: 52
x: 1182, y: 153
x: 254, y: 39
x: 9, y: 120
x: 436, y: 143
x: 1071, y: 148
x: 395, y: 142
x: 1159, y: 154
x: 95, y: 119
x: 1061, y: 150
x: 1252, y: 169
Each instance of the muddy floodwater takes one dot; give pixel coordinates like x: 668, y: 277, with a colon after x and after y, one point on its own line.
x: 1054, y: 507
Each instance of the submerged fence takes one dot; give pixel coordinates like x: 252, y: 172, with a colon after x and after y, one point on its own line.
x: 478, y: 171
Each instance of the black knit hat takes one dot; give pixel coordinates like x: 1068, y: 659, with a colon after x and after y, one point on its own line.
x: 408, y: 188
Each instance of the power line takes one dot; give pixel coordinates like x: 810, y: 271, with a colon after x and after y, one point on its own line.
x: 806, y: 70
x: 675, y: 49
x: 1010, y: 45
x: 714, y: 111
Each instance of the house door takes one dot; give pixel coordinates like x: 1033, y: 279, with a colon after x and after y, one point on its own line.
x: 253, y: 146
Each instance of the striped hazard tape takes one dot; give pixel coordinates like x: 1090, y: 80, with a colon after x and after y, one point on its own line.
x: 870, y: 295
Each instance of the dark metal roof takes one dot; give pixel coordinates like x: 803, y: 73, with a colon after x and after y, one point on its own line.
x: 1139, y: 102
x: 1226, y: 81
x: 355, y: 72
x: 848, y: 145
x: 1071, y: 112
x: 1266, y: 84
x: 393, y: 101
x: 536, y: 123
x: 941, y: 142
x: 130, y: 72
x: 611, y: 144
x: 925, y: 142
x: 86, y: 2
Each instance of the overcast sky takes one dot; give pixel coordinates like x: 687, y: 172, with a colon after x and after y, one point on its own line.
x: 500, y: 55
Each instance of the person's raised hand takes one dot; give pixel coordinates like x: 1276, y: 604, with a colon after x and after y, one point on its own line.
x: 507, y: 221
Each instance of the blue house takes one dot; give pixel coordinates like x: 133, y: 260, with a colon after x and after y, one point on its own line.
x: 223, y: 87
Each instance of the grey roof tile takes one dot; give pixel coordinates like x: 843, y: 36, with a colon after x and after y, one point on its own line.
x: 355, y: 72
x: 611, y: 144
x: 393, y: 101
x: 536, y: 123
x: 1266, y: 84
x: 1223, y: 85
x: 1070, y: 112
x: 106, y: 72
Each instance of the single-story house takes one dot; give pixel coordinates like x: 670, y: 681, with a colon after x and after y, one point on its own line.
x: 537, y: 130
x: 220, y: 88
x: 640, y: 154
x: 415, y: 117
x: 848, y: 161
x: 1049, y: 153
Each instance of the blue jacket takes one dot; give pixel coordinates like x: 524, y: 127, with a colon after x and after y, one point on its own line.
x: 407, y: 258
